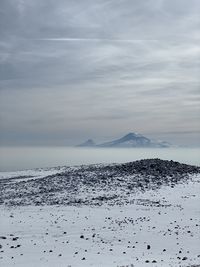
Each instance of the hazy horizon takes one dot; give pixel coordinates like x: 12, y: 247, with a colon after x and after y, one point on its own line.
x: 23, y: 158
x: 73, y: 70
x: 100, y: 140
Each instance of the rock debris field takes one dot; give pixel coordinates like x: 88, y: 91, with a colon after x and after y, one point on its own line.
x: 142, y: 213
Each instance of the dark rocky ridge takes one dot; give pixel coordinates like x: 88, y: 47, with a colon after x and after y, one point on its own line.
x: 95, y: 184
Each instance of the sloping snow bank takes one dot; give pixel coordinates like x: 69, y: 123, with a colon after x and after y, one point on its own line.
x: 32, y: 173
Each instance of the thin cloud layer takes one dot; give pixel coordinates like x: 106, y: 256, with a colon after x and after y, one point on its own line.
x: 76, y: 69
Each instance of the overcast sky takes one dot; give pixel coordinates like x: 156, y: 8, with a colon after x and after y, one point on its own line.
x: 72, y: 70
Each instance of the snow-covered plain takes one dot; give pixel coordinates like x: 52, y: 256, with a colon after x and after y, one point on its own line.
x: 32, y: 173
x: 158, y: 227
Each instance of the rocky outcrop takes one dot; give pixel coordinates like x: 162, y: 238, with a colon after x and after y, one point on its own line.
x: 114, y: 184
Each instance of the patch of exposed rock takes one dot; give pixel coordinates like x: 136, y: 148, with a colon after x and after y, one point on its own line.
x: 114, y: 184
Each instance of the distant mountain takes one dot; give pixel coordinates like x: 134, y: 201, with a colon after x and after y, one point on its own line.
x: 135, y: 140
x: 129, y: 140
x: 88, y: 143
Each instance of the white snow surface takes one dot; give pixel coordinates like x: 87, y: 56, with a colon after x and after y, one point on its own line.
x: 32, y: 173
x: 113, y: 236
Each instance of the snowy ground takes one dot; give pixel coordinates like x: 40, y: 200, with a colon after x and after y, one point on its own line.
x: 32, y: 173
x: 160, y: 227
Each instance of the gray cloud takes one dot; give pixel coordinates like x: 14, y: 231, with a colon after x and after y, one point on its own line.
x: 73, y: 69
